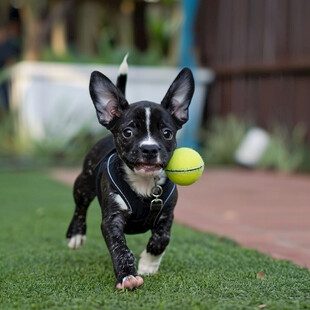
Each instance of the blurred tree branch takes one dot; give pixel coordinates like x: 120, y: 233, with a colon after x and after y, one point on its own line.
x: 44, y: 21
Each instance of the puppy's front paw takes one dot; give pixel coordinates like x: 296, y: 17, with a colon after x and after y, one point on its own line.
x: 130, y: 283
x: 76, y: 241
x: 149, y: 263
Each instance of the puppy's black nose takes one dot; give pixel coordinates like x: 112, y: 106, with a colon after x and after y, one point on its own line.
x: 149, y: 150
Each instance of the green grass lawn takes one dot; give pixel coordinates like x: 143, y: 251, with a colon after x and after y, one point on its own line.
x: 199, y: 271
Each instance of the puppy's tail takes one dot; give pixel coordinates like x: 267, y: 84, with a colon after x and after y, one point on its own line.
x: 122, y: 75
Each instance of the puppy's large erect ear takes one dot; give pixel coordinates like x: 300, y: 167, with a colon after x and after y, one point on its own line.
x: 179, y: 96
x: 107, y: 98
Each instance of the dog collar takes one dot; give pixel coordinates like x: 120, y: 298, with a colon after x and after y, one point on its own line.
x: 147, y: 209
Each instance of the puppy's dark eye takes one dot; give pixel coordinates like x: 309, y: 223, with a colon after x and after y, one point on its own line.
x: 167, y: 133
x: 127, y: 133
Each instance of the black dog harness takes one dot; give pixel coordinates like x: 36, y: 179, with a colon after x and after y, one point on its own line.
x: 144, y: 211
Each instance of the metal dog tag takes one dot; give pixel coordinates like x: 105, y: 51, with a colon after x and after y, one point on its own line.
x: 157, y: 203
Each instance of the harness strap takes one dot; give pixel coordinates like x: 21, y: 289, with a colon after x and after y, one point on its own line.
x: 140, y: 212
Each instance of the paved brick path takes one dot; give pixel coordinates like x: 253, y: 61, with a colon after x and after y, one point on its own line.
x: 262, y: 210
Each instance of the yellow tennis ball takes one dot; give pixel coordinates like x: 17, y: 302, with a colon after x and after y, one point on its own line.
x: 185, y: 166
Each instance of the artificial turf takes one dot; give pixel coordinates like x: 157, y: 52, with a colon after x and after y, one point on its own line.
x: 199, y: 270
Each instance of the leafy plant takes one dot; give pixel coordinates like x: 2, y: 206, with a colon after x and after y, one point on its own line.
x: 287, y: 150
x: 222, y: 139
x: 69, y: 150
x: 16, y: 143
x: 13, y: 140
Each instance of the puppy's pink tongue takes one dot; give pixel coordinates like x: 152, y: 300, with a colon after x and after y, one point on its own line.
x: 148, y: 167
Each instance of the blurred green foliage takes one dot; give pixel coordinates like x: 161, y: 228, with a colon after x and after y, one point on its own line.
x: 16, y: 144
x: 107, y: 55
x: 287, y: 150
x: 12, y: 141
x: 163, y: 24
x: 222, y: 139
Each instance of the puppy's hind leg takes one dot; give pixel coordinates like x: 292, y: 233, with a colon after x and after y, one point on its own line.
x: 84, y: 192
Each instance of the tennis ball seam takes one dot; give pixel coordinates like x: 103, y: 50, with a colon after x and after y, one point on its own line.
x: 183, y: 170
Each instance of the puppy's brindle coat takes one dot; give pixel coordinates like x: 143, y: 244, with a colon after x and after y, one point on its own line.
x: 142, y: 142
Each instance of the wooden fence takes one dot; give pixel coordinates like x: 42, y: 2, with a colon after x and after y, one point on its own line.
x: 260, y: 51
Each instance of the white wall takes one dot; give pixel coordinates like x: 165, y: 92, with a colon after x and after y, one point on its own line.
x: 55, y: 104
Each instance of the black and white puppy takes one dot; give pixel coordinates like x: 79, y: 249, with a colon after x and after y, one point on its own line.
x: 125, y: 171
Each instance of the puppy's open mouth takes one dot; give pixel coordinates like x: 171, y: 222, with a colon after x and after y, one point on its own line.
x: 148, y: 169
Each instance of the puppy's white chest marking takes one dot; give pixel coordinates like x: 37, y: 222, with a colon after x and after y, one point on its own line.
x: 120, y: 201
x: 149, y: 140
x: 140, y: 184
